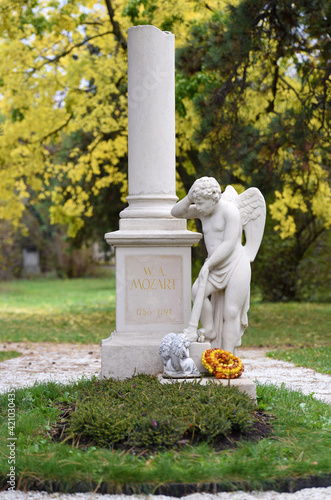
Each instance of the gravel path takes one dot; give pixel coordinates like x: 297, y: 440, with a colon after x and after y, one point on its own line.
x: 67, y: 362
x: 307, y: 494
x: 48, y: 361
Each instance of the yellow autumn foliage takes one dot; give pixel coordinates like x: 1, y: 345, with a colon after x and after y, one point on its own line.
x: 63, y: 80
x: 291, y: 199
x: 54, y: 85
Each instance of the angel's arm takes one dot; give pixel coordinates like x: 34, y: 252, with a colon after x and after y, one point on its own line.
x: 185, y: 209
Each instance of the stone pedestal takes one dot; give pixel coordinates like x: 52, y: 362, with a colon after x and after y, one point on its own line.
x: 153, y: 298
x: 152, y: 248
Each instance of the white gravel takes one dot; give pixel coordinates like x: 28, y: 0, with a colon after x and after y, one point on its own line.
x: 67, y: 362
x: 306, y: 494
x: 272, y: 371
x: 47, y: 361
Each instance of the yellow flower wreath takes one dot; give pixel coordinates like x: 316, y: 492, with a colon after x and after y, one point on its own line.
x: 222, y: 364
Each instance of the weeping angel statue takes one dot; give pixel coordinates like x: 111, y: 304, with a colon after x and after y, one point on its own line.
x: 174, y: 352
x: 222, y: 291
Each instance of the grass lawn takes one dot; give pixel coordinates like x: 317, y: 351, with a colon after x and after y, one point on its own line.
x: 8, y: 355
x: 77, y: 311
x: 293, y: 324
x: 83, y: 311
x: 298, y: 449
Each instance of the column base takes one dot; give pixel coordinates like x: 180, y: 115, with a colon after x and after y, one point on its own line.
x: 124, y: 355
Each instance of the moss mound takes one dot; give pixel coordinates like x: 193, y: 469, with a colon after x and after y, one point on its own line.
x: 142, y: 413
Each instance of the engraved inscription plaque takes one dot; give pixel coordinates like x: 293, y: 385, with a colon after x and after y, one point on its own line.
x: 154, y: 289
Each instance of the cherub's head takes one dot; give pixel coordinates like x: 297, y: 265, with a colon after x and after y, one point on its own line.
x: 180, y: 346
x: 205, y: 193
x: 206, y: 187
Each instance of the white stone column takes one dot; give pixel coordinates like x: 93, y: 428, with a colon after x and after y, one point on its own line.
x: 153, y: 249
x: 151, y: 134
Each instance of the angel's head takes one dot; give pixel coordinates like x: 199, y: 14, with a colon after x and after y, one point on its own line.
x: 205, y: 192
x: 206, y: 187
x: 180, y: 346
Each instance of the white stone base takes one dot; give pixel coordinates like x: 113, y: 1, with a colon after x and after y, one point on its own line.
x: 243, y: 384
x: 124, y: 355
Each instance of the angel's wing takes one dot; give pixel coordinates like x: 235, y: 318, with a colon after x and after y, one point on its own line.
x: 230, y: 194
x: 252, y: 208
x: 251, y: 205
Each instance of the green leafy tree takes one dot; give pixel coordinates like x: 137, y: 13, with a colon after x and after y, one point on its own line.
x: 261, y: 72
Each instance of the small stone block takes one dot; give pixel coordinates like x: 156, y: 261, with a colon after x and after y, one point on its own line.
x: 196, y: 350
x: 243, y: 384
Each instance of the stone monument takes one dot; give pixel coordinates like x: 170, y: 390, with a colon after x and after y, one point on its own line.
x: 153, y: 248
x: 31, y: 260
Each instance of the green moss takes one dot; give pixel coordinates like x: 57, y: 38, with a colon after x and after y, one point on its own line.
x: 141, y: 412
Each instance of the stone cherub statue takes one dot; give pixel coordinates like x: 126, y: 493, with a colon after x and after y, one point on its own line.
x: 226, y: 273
x: 174, y: 352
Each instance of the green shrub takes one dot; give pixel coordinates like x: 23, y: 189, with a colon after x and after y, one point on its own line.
x: 141, y: 412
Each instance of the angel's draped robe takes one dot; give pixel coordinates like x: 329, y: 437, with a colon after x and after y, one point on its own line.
x: 219, y: 277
